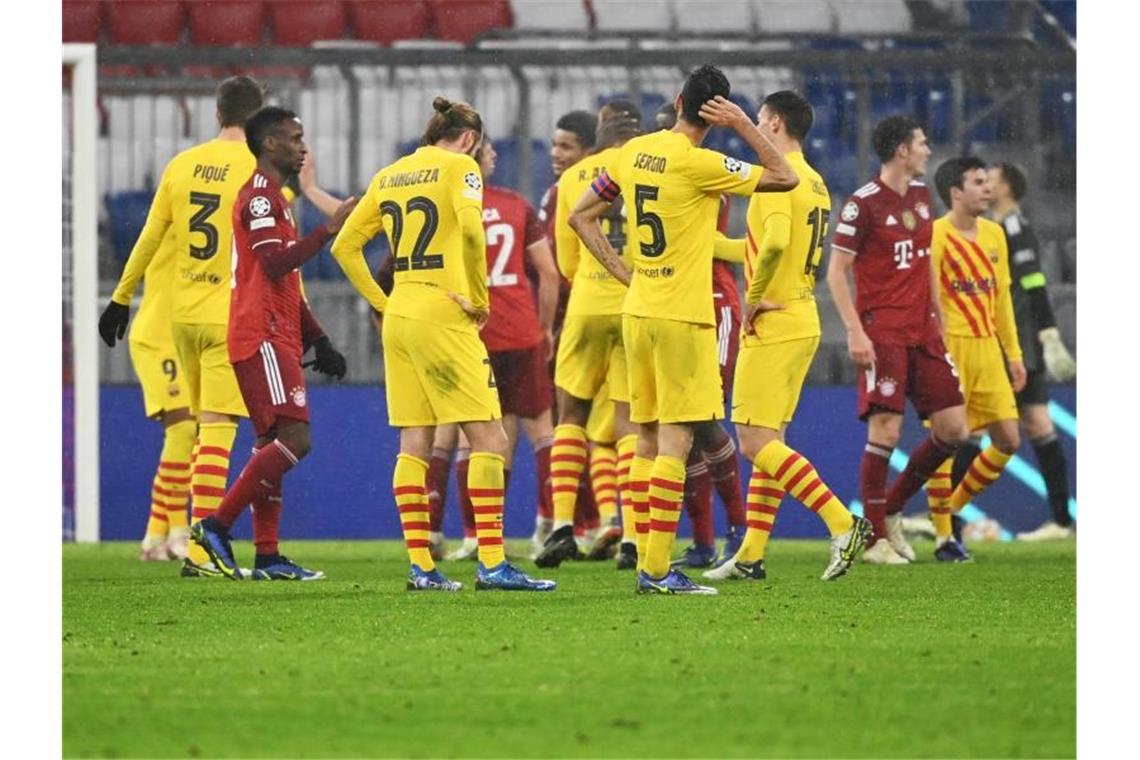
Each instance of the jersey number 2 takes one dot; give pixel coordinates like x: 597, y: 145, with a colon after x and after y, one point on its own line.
x: 208, y: 203
x: 420, y: 258
x: 503, y: 234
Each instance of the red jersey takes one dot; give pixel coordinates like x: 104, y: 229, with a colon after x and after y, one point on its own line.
x: 546, y: 209
x: 263, y: 307
x: 724, y: 277
x: 889, y: 235
x: 511, y: 226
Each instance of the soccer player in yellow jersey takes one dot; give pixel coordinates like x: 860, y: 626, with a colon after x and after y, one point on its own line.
x: 430, y: 206
x: 193, y: 202
x: 672, y: 188
x: 590, y: 350
x: 783, y: 247
x: 971, y: 264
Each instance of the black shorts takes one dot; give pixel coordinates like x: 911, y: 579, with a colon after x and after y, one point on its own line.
x: 1036, y: 390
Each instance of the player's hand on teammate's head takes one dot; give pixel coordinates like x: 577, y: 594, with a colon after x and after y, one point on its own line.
x: 861, y: 349
x: 1017, y: 376
x: 113, y: 322
x: 307, y: 177
x: 328, y: 360
x: 478, y: 315
x: 755, y: 310
x: 342, y: 211
x: 722, y: 112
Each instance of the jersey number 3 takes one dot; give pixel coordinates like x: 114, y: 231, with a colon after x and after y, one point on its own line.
x: 207, y: 204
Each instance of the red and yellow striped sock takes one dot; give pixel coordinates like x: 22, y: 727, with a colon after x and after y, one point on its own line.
x: 567, y: 461
x: 626, y: 448
x: 603, y: 479
x: 640, y: 470
x: 764, y: 496
x: 984, y: 470
x: 485, y: 483
x: 938, y: 492
x: 174, y: 472
x: 409, y: 486
x: 666, y: 490
x: 208, y: 476
x: 797, y: 476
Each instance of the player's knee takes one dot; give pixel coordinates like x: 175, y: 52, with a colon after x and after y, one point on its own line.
x: 297, y: 438
x: 953, y: 432
x: 1007, y: 440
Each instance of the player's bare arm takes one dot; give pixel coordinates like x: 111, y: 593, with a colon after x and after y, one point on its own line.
x: 584, y: 221
x: 778, y: 175
x: 325, y: 202
x: 538, y: 254
x: 859, y: 345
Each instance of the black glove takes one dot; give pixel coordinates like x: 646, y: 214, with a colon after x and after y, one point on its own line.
x: 113, y: 322
x: 328, y: 360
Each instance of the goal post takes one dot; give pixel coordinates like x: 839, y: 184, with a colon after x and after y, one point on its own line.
x: 81, y: 289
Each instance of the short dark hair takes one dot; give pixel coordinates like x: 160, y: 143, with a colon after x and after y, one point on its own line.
x: 618, y: 121
x: 666, y: 116
x: 1014, y: 176
x: 701, y: 85
x: 620, y: 107
x: 892, y: 132
x: 238, y: 98
x: 581, y: 124
x: 793, y: 108
x: 951, y: 173
x: 262, y: 124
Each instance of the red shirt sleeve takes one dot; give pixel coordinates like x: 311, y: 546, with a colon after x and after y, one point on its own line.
x: 534, y: 229
x: 852, y: 225
x: 310, y: 328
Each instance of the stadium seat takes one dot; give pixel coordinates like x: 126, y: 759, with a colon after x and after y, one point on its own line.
x: 464, y: 20
x: 227, y: 22
x: 872, y: 16
x: 1065, y: 11
x: 126, y: 215
x: 82, y: 20
x: 986, y: 130
x: 714, y: 16
x: 793, y: 16
x: 386, y: 21
x: 300, y: 22
x: 145, y: 22
x: 988, y: 16
x: 557, y: 15
x: 934, y: 109
x: 633, y: 15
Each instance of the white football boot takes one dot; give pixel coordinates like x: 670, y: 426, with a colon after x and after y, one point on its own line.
x: 881, y: 553
x: 1049, y: 531
x: 898, y: 541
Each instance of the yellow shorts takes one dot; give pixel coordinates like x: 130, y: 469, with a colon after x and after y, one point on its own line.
x: 768, y: 380
x: 210, y: 378
x: 433, y: 376
x: 984, y: 380
x: 674, y: 371
x: 160, y: 375
x: 600, y: 423
x: 591, y: 353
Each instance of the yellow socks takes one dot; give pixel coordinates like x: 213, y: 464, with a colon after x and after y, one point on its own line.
x: 409, y: 485
x: 938, y: 492
x: 485, y: 485
x: 797, y: 476
x: 984, y: 470
x: 640, y: 470
x: 603, y: 479
x: 764, y: 495
x: 171, y: 484
x: 626, y: 448
x: 666, y: 490
x: 567, y: 461
x: 208, y: 476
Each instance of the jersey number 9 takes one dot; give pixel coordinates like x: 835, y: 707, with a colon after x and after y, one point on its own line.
x: 420, y: 258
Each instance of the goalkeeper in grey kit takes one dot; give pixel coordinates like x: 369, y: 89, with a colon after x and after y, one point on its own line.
x: 1041, y: 345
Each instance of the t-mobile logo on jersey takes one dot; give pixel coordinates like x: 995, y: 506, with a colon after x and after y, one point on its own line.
x: 904, y: 253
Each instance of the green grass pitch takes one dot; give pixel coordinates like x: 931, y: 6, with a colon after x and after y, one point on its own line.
x: 931, y: 660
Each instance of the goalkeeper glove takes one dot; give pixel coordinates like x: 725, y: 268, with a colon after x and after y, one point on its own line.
x: 328, y: 360
x: 1059, y: 363
x: 113, y: 322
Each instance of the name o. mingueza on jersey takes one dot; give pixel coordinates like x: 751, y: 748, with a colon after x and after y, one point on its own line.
x: 405, y: 179
x: 209, y: 173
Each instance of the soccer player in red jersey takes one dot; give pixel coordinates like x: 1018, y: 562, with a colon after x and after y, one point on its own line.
x: 269, y: 330
x: 894, y: 329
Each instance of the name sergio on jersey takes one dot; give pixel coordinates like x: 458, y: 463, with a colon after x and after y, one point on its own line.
x: 208, y: 173
x: 406, y: 179
x: 650, y: 163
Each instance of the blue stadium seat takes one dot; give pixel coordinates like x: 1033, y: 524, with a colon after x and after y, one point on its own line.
x: 987, y: 130
x: 932, y: 105
x: 126, y: 215
x: 838, y: 166
x: 826, y: 97
x: 1065, y: 11
x: 988, y: 16
x: 507, y: 165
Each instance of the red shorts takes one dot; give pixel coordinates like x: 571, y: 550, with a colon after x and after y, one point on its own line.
x: 924, y: 374
x: 273, y: 386
x: 727, y: 340
x: 523, y: 379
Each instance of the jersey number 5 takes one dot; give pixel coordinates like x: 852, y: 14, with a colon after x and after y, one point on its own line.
x: 656, y: 246
x: 208, y: 203
x: 420, y: 258
x: 818, y: 219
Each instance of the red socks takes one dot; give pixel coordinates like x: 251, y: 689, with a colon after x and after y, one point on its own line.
x: 260, y: 479
x: 545, y: 496
x: 923, y: 462
x: 698, y: 499
x: 724, y: 467
x: 466, y: 508
x: 873, y: 486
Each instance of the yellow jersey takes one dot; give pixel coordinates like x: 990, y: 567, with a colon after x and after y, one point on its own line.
x: 416, y: 201
x: 194, y: 200
x: 594, y: 291
x: 789, y: 279
x: 672, y: 189
x: 973, y: 283
x: 151, y: 324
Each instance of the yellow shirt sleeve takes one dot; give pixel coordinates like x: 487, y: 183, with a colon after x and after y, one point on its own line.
x: 467, y: 198
x: 1005, y: 323
x: 565, y: 239
x: 158, y: 220
x: 715, y: 172
x: 728, y: 249
x: 363, y: 224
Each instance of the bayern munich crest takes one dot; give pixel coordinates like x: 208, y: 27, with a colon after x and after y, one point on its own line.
x: 298, y: 395
x: 259, y: 206
x: 922, y: 210
x: 887, y: 386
